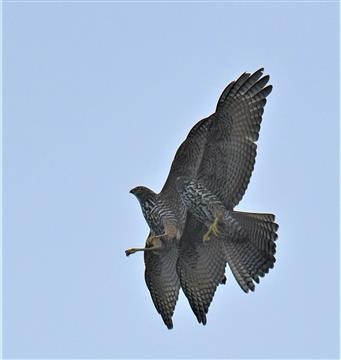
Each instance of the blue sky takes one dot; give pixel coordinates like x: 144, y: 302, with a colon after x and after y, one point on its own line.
x: 97, y: 98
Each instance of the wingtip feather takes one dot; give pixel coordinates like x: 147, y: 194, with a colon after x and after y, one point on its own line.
x: 168, y: 323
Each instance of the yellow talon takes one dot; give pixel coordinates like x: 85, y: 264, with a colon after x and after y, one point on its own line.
x: 213, y: 229
x: 130, y: 251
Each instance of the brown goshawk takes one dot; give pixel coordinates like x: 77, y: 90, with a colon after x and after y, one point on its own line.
x: 194, y: 229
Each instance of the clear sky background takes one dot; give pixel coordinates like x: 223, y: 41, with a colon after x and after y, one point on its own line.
x: 97, y: 98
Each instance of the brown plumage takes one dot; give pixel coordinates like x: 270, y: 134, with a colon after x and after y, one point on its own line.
x: 194, y: 229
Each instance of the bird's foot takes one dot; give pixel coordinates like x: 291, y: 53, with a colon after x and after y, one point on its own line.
x: 213, y: 229
x: 134, y: 250
x: 130, y: 251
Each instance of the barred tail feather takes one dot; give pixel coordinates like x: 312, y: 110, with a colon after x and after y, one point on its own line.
x: 251, y: 253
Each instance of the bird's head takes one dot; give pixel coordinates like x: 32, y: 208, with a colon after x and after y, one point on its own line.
x: 142, y: 193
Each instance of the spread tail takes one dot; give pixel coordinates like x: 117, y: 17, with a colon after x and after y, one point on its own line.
x: 251, y: 253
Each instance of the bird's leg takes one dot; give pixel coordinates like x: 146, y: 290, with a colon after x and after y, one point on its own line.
x: 134, y: 250
x: 218, y: 213
x: 157, y: 236
x: 171, y: 229
x: 152, y: 243
x: 213, y: 229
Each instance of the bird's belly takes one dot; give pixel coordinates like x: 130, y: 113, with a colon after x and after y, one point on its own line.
x: 202, y: 212
x: 157, y: 217
x: 200, y: 202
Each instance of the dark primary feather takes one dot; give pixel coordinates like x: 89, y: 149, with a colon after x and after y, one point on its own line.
x: 229, y: 155
x: 201, y: 267
x: 162, y: 280
x: 220, y: 150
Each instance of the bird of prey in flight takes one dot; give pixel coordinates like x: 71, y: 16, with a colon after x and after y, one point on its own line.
x: 194, y: 229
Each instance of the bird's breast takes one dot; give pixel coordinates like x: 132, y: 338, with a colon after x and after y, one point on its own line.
x: 156, y: 214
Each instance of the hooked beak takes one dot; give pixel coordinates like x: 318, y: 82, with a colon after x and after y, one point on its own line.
x: 133, y: 191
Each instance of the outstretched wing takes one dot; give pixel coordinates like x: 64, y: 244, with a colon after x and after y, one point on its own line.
x: 162, y: 280
x: 188, y: 156
x: 230, y: 152
x: 201, y: 267
x: 185, y: 164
